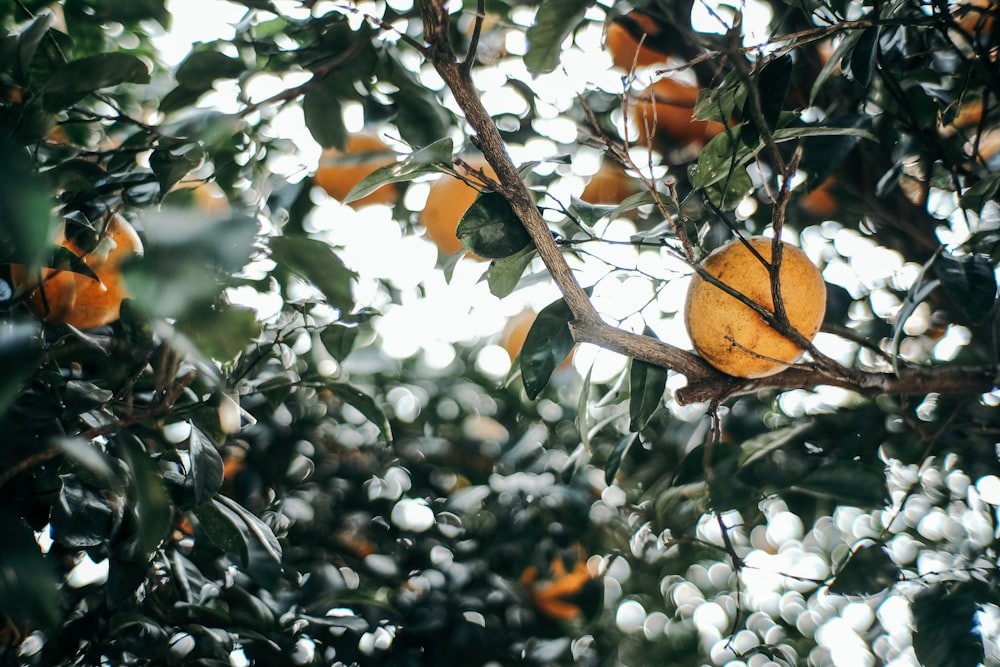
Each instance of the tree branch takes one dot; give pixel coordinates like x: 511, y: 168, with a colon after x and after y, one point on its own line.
x: 704, y: 382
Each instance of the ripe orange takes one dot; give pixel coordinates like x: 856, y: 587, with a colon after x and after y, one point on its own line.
x: 448, y: 200
x: 727, y: 333
x: 339, y: 172
x: 77, y: 299
x: 975, y: 16
x: 624, y: 48
x: 610, y: 185
x: 821, y: 200
x: 667, y: 107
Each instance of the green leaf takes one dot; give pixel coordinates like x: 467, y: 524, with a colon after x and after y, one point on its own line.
x: 317, y: 263
x: 919, y: 290
x: 848, y: 482
x: 338, y: 339
x: 868, y: 570
x: 554, y: 21
x: 505, y: 273
x: 945, y: 629
x: 548, y: 342
x: 203, y: 68
x: 863, y: 57
x: 20, y: 349
x: 970, y: 283
x: 647, y: 383
x: 205, y: 474
x: 722, y: 156
x: 490, y: 229
x: 225, y: 529
x: 364, y: 404
x: 28, y: 41
x: 422, y: 161
x: 755, y: 448
x: 773, y: 82
x: 76, y: 79
x: 148, y: 501
x: 420, y: 115
x: 218, y: 329
x: 29, y: 588
x: 617, y: 455
x: 323, y: 115
x: 83, y: 516
x: 172, y: 164
x: 94, y: 463
x: 985, y: 190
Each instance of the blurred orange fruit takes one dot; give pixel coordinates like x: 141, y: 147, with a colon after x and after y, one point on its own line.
x: 727, y: 333
x: 664, y: 113
x: 626, y: 53
x: 610, y: 185
x: 338, y: 171
x: 447, y: 201
x: 74, y: 298
x: 820, y: 201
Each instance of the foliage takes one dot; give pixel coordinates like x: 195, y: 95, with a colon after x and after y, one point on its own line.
x: 218, y: 478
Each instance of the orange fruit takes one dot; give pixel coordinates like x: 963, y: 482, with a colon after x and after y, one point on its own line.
x: 339, y: 172
x: 626, y: 53
x: 727, y: 333
x: 975, y: 16
x: 667, y: 108
x: 74, y: 298
x: 821, y: 201
x: 447, y: 201
x: 610, y: 185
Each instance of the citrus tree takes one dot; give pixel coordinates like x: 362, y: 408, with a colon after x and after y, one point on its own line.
x: 733, y: 402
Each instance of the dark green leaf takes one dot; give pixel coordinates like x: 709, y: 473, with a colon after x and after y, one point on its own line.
x: 548, y: 342
x: 148, y: 500
x: 338, y: 339
x: 721, y: 157
x: 91, y: 459
x: 505, y: 273
x: 490, y: 228
x: 617, y: 455
x: 420, y: 116
x: 755, y: 448
x: 868, y: 570
x: 205, y: 467
x: 364, y: 404
x: 919, y: 290
x: 225, y: 529
x: 28, y: 41
x: 219, y: 330
x: 985, y: 190
x: 945, y: 632
x: 646, y: 386
x: 554, y: 21
x: 970, y: 283
x: 863, y: 56
x: 202, y: 68
x: 259, y: 534
x: 422, y: 161
x: 823, y: 153
x: 323, y: 116
x: 773, y: 82
x: 20, y: 349
x: 83, y: 516
x: 848, y: 482
x: 29, y: 588
x: 316, y: 262
x: 834, y: 62
x: 172, y: 164
x: 76, y: 79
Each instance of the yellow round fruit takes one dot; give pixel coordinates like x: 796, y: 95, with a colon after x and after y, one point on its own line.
x: 74, y: 298
x: 447, y: 201
x: 339, y: 172
x: 727, y: 333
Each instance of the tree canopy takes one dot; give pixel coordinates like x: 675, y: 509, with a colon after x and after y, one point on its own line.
x: 401, y: 374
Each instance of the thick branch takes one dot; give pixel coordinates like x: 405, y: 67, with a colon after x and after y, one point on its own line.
x: 456, y: 76
x: 704, y: 382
